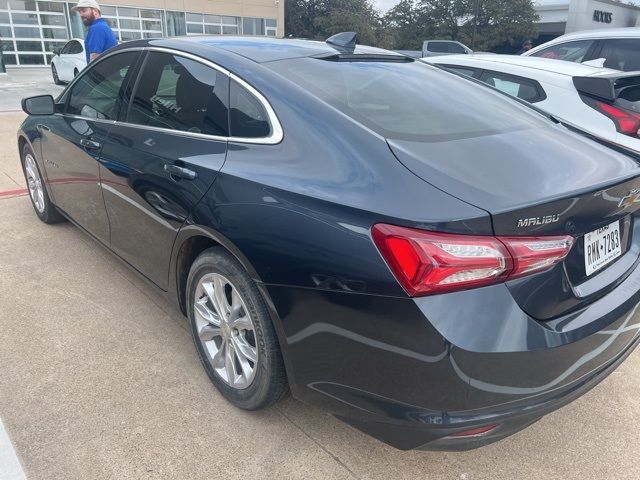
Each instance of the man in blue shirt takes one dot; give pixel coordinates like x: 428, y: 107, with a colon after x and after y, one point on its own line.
x: 100, y: 37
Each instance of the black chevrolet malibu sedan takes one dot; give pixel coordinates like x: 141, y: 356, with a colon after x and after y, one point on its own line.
x: 433, y: 262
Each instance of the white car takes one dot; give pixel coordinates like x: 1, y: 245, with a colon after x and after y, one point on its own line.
x: 68, y: 61
x: 617, y: 48
x: 602, y: 102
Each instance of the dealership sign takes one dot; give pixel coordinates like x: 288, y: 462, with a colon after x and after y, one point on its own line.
x: 603, y: 17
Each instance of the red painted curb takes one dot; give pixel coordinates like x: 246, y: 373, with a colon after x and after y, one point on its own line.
x: 14, y: 193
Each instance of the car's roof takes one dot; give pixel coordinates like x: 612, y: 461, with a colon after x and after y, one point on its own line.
x: 263, y: 49
x: 601, y: 33
x: 550, y: 65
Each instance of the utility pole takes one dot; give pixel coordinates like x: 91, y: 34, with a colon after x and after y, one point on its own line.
x: 476, y: 10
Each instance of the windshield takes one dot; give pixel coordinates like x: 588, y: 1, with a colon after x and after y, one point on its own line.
x: 409, y: 101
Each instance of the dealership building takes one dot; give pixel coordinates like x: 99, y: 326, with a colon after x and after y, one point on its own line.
x: 558, y: 17
x: 31, y: 29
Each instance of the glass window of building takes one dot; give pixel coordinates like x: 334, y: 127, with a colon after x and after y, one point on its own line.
x: 133, y: 23
x: 176, y: 24
x: 30, y: 29
x: 252, y: 26
x: 212, y: 24
x: 40, y: 26
x: 271, y: 27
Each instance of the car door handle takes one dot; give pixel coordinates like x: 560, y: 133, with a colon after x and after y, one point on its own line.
x: 180, y: 172
x: 42, y: 127
x: 90, y: 144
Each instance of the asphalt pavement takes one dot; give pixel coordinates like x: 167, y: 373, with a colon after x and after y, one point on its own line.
x: 99, y: 379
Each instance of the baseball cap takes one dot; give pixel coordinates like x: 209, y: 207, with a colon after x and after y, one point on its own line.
x: 86, y: 4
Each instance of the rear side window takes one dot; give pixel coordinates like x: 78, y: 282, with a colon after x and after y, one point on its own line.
x: 445, y: 47
x: 409, y: 100
x: 622, y: 54
x: 469, y: 72
x: 248, y: 117
x: 520, y: 87
x: 178, y: 93
x: 569, y: 51
x: 99, y: 92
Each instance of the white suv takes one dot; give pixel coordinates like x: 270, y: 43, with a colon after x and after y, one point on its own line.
x: 602, y: 102
x: 619, y: 48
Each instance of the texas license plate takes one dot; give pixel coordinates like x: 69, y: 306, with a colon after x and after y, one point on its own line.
x: 601, y: 247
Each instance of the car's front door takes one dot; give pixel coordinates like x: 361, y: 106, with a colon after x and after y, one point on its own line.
x: 72, y: 141
x: 159, y: 162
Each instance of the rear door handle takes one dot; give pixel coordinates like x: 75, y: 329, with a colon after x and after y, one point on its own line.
x: 90, y: 144
x: 42, y: 127
x: 180, y: 172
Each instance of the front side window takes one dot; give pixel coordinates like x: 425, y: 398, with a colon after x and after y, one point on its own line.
x: 67, y: 48
x: 516, y: 86
x: 569, y: 51
x: 99, y: 93
x: 622, y: 54
x: 248, y: 117
x: 74, y: 47
x: 178, y: 93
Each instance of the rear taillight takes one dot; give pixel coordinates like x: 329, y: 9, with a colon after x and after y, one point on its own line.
x: 626, y: 122
x: 428, y: 262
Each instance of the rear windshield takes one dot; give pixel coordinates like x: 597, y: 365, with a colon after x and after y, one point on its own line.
x: 409, y: 101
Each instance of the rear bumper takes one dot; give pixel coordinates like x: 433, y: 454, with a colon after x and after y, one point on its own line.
x: 413, y: 372
x: 508, y: 421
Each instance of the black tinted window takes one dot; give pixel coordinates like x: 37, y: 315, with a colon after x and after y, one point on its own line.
x: 412, y: 101
x: 445, y: 47
x: 469, y: 72
x: 248, y: 117
x: 98, y: 93
x: 438, y: 47
x: 74, y: 47
x: 569, y: 51
x: 622, y: 54
x: 180, y: 94
x: 517, y: 86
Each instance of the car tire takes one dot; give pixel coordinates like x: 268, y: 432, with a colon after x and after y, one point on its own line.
x: 54, y: 74
x: 238, y: 348
x: 44, y: 208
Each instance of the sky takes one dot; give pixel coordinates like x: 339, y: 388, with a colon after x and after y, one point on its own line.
x: 385, y: 5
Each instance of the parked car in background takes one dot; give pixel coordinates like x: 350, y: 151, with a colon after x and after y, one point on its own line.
x: 68, y: 61
x: 616, y: 48
x: 433, y: 48
x: 431, y: 260
x: 600, y: 101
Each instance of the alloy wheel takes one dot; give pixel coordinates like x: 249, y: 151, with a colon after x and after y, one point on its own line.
x: 226, y: 330
x: 34, y: 182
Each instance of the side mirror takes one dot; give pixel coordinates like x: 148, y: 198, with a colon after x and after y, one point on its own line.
x: 40, y: 105
x: 56, y: 51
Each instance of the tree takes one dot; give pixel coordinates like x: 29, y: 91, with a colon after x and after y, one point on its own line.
x: 404, y: 24
x: 319, y: 19
x: 485, y: 23
x: 499, y: 21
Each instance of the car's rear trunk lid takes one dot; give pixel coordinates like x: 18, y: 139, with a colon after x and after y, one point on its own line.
x: 544, y: 181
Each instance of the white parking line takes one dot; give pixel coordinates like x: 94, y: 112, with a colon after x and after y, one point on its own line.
x: 10, y: 468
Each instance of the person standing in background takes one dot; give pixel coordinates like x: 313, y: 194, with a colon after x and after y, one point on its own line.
x: 100, y: 37
x: 526, y: 46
